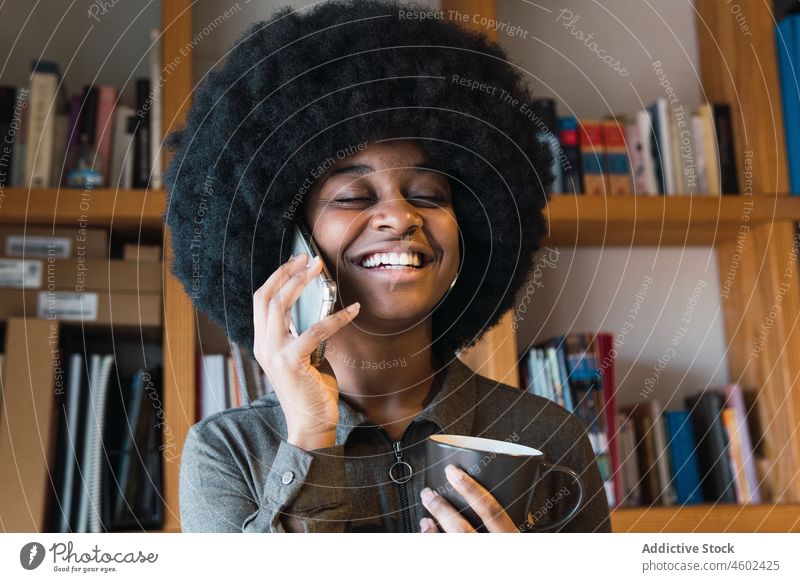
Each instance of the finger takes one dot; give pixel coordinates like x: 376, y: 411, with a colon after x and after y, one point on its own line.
x: 308, y: 341
x: 450, y: 520
x: 288, y: 294
x: 263, y: 294
x: 492, y: 514
x: 427, y: 525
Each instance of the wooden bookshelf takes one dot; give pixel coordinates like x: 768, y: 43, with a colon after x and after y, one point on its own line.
x: 741, y: 71
x: 661, y: 220
x: 99, y: 207
x: 728, y: 67
x: 708, y: 518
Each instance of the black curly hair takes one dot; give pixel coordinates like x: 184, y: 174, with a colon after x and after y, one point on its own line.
x: 304, y: 84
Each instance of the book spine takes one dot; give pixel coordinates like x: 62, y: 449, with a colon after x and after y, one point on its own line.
x: 155, y: 109
x: 568, y: 136
x: 593, y: 158
x: 141, y: 159
x: 619, y: 176
x: 39, y: 163
x: 727, y: 157
x: 104, y: 129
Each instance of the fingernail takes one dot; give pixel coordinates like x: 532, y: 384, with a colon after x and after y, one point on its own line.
x: 426, y: 494
x: 454, y: 472
x: 296, y: 257
x: 425, y: 523
x: 353, y: 308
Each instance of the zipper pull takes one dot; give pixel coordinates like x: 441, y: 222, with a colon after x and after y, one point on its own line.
x: 400, y: 471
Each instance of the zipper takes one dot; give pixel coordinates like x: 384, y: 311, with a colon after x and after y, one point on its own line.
x: 400, y: 473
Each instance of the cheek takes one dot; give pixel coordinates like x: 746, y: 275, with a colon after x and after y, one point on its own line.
x: 332, y: 234
x: 444, y: 229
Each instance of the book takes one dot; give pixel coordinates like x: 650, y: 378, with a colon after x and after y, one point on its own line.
x: 662, y: 146
x: 154, y: 116
x: 637, y: 136
x: 710, y: 152
x: 723, y: 124
x: 46, y: 101
x: 121, y: 175
x: 107, y: 97
x: 787, y: 44
x: 716, y: 478
x: 71, y: 415
x: 8, y: 122
x: 544, y: 109
x: 568, y: 136
x: 683, y: 459
x: 141, y: 137
x: 593, y: 159
x: 617, y: 162
x: 629, y: 465
x: 734, y: 397
x: 90, y: 516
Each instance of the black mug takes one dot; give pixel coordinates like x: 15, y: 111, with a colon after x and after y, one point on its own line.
x: 509, y: 471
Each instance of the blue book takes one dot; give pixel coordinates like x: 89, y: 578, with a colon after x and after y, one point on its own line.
x: 787, y: 37
x: 682, y: 457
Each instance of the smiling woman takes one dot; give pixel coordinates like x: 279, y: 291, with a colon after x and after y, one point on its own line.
x: 428, y: 228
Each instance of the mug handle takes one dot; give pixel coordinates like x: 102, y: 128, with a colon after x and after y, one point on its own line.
x: 575, y: 477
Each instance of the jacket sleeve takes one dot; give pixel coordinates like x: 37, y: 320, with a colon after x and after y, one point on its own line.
x: 217, y: 493
x: 569, y: 446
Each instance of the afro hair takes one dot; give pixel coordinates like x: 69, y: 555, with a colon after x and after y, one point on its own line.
x: 301, y: 85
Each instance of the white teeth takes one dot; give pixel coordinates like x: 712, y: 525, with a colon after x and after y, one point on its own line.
x: 392, y: 260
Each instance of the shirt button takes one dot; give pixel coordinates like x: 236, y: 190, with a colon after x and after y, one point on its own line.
x: 287, y: 477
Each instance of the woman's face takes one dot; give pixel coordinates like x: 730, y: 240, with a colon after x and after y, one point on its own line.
x: 386, y: 203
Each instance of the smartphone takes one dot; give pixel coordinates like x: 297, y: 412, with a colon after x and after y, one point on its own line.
x: 319, y: 296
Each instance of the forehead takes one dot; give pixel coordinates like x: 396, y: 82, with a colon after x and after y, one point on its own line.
x: 387, y: 154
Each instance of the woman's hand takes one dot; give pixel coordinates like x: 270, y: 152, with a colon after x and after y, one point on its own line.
x: 307, y: 396
x: 492, y: 514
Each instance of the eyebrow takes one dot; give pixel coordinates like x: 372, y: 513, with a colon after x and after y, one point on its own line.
x: 364, y: 169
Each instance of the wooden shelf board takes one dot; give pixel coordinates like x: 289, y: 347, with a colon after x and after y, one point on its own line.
x: 708, y: 518
x: 101, y: 207
x: 574, y: 220
x: 660, y: 220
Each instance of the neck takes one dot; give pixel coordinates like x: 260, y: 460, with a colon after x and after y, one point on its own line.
x: 390, y: 378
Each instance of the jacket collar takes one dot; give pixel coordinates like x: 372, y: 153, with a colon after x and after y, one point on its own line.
x: 452, y: 408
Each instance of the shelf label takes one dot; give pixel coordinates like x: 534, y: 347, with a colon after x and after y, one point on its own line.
x: 58, y: 247
x: 67, y: 305
x: 21, y: 273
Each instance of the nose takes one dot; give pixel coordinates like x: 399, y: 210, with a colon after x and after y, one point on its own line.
x: 396, y: 214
